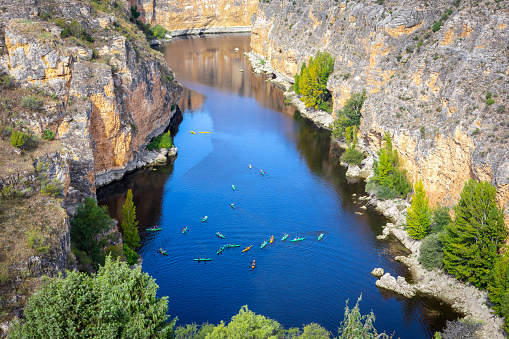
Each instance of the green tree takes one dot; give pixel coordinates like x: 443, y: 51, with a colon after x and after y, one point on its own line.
x: 498, y: 285
x: 441, y: 218
x: 314, y: 331
x: 247, y: 324
x: 419, y: 213
x: 117, y: 302
x: 351, y: 155
x: 350, y: 115
x: 129, y: 222
x: 87, y: 227
x: 472, y: 240
x: 355, y: 325
x: 311, y: 82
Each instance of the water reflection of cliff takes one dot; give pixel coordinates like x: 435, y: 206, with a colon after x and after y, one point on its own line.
x: 215, y: 63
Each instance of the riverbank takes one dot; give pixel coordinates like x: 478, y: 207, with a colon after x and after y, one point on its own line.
x: 201, y: 31
x: 464, y: 298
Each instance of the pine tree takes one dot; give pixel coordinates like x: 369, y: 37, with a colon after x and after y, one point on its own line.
x: 472, y: 240
x: 129, y: 223
x: 499, y: 280
x: 419, y: 214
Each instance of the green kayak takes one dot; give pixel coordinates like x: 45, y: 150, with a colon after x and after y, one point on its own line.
x: 298, y: 239
x: 264, y: 244
x: 184, y: 230
x: 154, y: 229
x: 205, y: 218
x: 285, y: 237
x: 220, y: 235
x: 233, y: 187
x: 220, y: 250
x: 202, y: 259
x: 231, y: 246
x: 320, y: 236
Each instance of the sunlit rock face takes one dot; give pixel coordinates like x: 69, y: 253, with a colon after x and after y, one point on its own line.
x: 186, y: 14
x: 427, y: 89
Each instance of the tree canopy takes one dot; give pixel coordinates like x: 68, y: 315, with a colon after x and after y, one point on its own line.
x: 117, y: 302
x: 419, y: 213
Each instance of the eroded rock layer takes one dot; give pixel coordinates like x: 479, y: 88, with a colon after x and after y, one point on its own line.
x: 186, y: 14
x: 428, y: 85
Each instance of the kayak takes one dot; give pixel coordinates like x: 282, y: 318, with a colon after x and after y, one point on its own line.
x: 320, y: 236
x: 250, y: 166
x: 202, y: 259
x: 232, y: 205
x: 193, y: 132
x: 233, y: 187
x: 298, y: 239
x: 205, y: 218
x: 203, y: 132
x: 184, y: 230
x: 262, y: 172
x: 253, y: 264
x: 247, y: 248
x: 284, y: 237
x: 264, y: 244
x: 220, y: 235
x: 231, y: 246
x: 220, y: 250
x: 271, y: 239
x: 161, y: 251
x: 154, y: 229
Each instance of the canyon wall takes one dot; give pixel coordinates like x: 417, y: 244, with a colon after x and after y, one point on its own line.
x: 187, y: 14
x: 428, y: 88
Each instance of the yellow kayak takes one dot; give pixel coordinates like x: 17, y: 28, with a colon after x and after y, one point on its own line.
x: 271, y: 239
x: 203, y: 132
x: 247, y: 248
x: 193, y: 132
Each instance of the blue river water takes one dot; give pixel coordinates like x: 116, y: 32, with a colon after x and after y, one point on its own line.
x: 303, y: 192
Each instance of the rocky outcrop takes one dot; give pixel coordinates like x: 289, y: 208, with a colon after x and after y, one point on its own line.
x: 426, y: 88
x: 201, y: 14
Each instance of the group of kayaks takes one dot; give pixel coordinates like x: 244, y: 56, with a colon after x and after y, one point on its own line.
x: 193, y: 132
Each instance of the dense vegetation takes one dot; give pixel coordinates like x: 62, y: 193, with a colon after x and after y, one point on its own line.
x: 389, y: 180
x: 161, y: 141
x: 311, y: 81
x: 87, y: 228
x: 155, y: 32
x: 117, y: 302
x: 349, y: 116
x: 351, y: 154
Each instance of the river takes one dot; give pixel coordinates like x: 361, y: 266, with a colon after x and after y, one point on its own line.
x: 303, y: 193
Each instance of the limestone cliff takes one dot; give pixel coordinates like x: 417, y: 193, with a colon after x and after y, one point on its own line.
x: 183, y: 15
x: 427, y: 87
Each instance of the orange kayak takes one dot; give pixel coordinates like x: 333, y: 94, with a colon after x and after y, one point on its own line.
x: 253, y: 265
x: 247, y: 248
x: 271, y: 239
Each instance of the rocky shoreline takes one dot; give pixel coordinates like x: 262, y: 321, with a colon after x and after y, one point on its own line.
x: 464, y: 298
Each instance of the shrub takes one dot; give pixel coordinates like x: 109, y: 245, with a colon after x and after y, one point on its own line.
x: 352, y: 156
x: 436, y: 26
x: 472, y: 240
x: 74, y: 29
x: 161, y: 141
x: 311, y: 82
x: 441, y: 218
x: 52, y: 188
x: 18, y: 138
x: 32, y: 102
x: 355, y: 325
x: 117, y: 302
x: 461, y: 329
x: 431, y: 252
x: 130, y: 255
x: 193, y: 331
x: 6, y: 81
x: 490, y: 101
x: 419, y: 214
x: 159, y: 31
x: 386, y: 193
x: 48, y: 134
x: 37, y: 241
x: 350, y: 115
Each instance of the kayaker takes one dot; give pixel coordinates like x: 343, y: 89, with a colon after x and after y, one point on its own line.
x: 250, y: 166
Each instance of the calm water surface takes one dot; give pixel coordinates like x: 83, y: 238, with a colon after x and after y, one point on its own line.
x: 303, y: 193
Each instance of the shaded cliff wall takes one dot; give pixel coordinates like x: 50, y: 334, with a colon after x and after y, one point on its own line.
x: 427, y: 89
x: 185, y: 14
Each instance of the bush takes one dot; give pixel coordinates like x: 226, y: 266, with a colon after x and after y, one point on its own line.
x: 74, y: 29
x: 130, y: 255
x: 52, y: 188
x: 352, y: 156
x: 48, y: 134
x: 193, y: 331
x: 441, y: 218
x: 6, y: 81
x: 349, y: 116
x: 355, y: 325
x: 161, y: 141
x: 490, y: 101
x: 436, y: 26
x: 431, y: 252
x: 159, y: 31
x: 18, y: 138
x: 117, y: 302
x: 311, y: 82
x: 37, y: 241
x: 386, y: 193
x: 461, y: 329
x: 32, y: 102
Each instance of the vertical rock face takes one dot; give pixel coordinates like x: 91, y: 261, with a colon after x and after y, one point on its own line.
x: 186, y: 14
x: 427, y: 89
